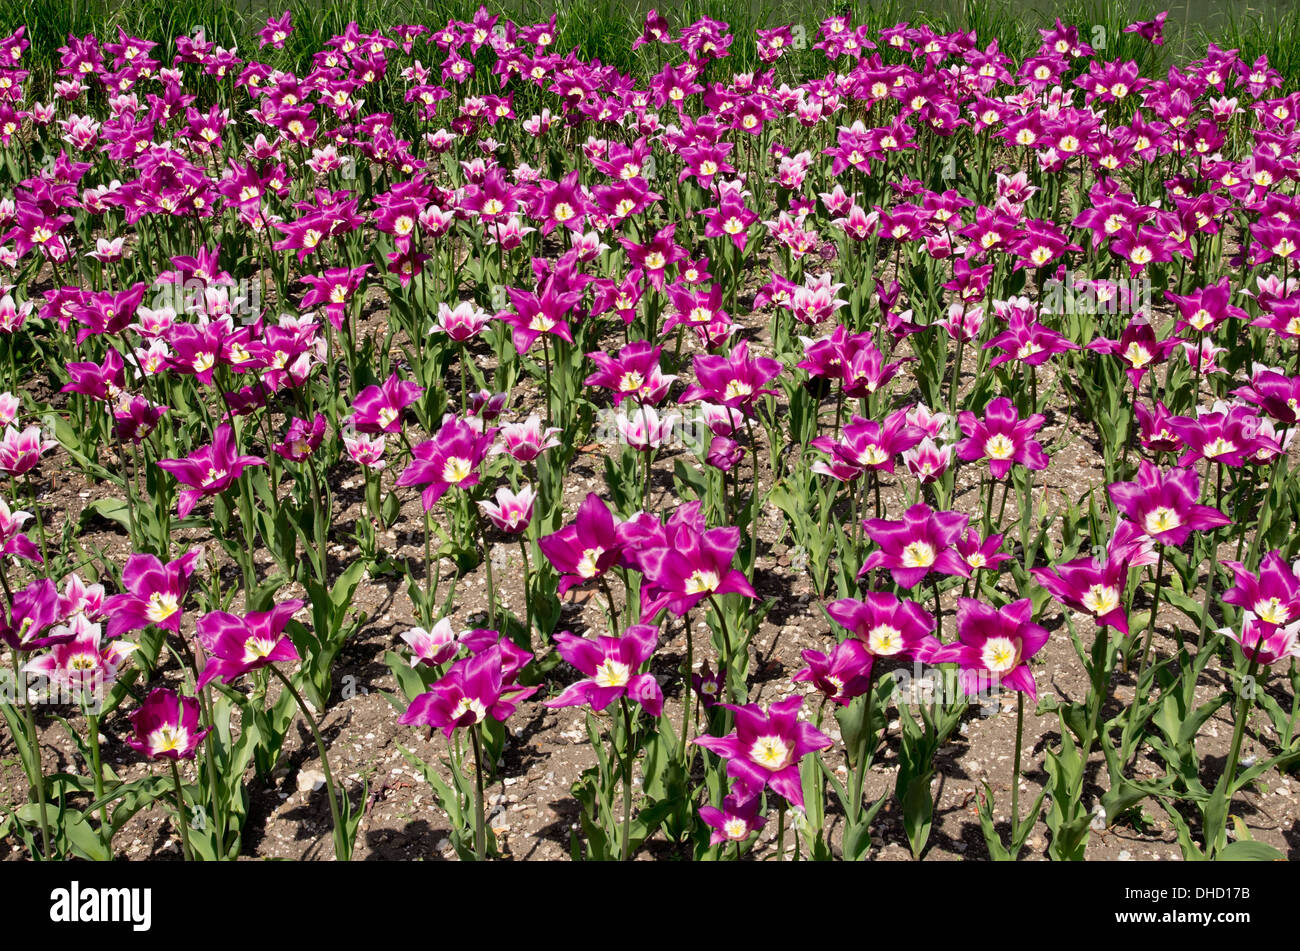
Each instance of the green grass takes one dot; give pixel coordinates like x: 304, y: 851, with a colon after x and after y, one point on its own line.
x: 1273, y: 32
x: 605, y: 29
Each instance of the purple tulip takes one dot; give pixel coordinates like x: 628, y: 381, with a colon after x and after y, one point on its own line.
x: 738, y: 819
x: 167, y: 726
x: 886, y: 625
x: 473, y: 689
x: 735, y: 381
x: 841, y: 676
x: 240, y: 644
x: 585, y: 550
x: 378, y: 409
x: 35, y: 608
x: 994, y: 646
x: 693, y: 566
x: 450, y: 459
x: 610, y: 665
x: 922, y: 542
x: 154, y: 594
x: 208, y: 470
x: 1162, y: 503
x: 1093, y: 587
x: 302, y: 439
x: 1271, y: 593
x: 1001, y: 437
x: 766, y: 747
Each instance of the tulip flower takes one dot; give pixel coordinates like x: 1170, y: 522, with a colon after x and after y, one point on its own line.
x: 1093, y: 587
x: 80, y: 664
x: 766, y: 747
x: 695, y: 565
x: 208, y: 470
x: 611, y: 666
x: 927, y: 461
x: 1274, y: 392
x: 708, y: 685
x: 981, y: 553
x: 1271, y: 593
x: 1266, y: 643
x: 1137, y: 348
x: 527, y: 440
x: 433, y: 647
x: 451, y: 459
x: 735, y: 381
x: 473, y: 689
x: 1162, y: 503
x: 167, y: 726
x: 302, y: 439
x: 634, y: 372
x: 378, y: 409
x: 462, y: 322
x: 240, y: 644
x: 886, y: 625
x: 20, y: 452
x: 154, y: 594
x: 512, y: 511
x: 994, y: 646
x: 366, y: 450
x: 1227, y: 435
x: 1001, y: 437
x: 12, y: 540
x: 738, y: 819
x: 922, y: 542
x: 841, y: 676
x: 585, y: 550
x: 867, y: 445
x: 33, y: 610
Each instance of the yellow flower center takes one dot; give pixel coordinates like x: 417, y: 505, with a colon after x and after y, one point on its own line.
x: 1000, y: 654
x: 1101, y: 599
x: 162, y: 605
x: 456, y: 469
x: 918, y: 555
x: 1162, y: 519
x: 1272, y: 611
x: 999, y: 447
x: 884, y: 640
x: 587, y: 567
x: 771, y: 752
x: 612, y: 673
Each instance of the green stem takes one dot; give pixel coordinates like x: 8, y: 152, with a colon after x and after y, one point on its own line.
x: 491, y: 588
x: 1151, y: 622
x: 210, y: 764
x: 726, y: 642
x: 860, y: 767
x: 627, y: 778
x: 1015, y: 769
x: 528, y: 604
x: 780, y: 830
x: 480, y: 832
x: 105, y: 829
x: 609, y: 600
x: 687, y: 689
x: 37, y: 776
x: 180, y: 812
x: 1244, y: 703
x: 342, y: 849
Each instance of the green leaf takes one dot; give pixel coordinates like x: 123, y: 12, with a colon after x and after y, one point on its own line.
x: 918, y: 812
x: 1249, y: 851
x: 109, y: 509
